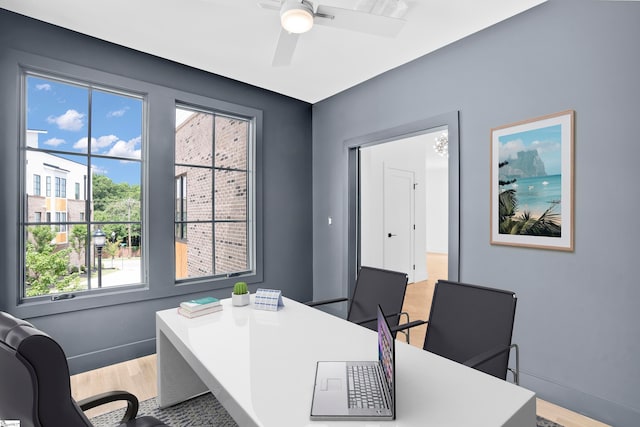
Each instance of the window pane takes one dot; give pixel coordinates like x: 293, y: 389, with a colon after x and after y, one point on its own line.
x: 211, y: 201
x: 116, y: 125
x: 231, y: 143
x: 84, y: 190
x: 57, y: 115
x: 116, y: 190
x: 199, y: 251
x: 121, y: 263
x: 197, y: 187
x: 231, y: 247
x: 194, y: 138
x: 231, y: 195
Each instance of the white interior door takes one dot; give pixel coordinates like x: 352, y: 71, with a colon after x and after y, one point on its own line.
x: 399, y: 212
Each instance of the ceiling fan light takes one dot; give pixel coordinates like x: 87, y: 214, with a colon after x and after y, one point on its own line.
x: 296, y: 17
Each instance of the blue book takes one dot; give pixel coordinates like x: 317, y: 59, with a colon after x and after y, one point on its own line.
x: 199, y: 304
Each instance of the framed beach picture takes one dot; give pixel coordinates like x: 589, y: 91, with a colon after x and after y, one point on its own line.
x: 532, y: 183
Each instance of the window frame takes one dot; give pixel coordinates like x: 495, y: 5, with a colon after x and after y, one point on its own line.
x: 181, y: 183
x: 254, y: 121
x: 57, y: 187
x: 158, y: 173
x: 37, y: 191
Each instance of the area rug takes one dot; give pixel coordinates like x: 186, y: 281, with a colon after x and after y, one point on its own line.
x: 200, y: 411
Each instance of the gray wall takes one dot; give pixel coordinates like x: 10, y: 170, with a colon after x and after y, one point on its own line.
x: 115, y: 328
x: 577, y: 318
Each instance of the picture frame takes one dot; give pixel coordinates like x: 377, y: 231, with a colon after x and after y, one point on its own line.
x: 532, y: 180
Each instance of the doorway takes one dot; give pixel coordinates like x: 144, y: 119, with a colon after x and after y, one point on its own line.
x: 366, y: 222
x: 403, y: 204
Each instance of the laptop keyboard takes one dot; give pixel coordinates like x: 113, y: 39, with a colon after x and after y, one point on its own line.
x: 364, y: 387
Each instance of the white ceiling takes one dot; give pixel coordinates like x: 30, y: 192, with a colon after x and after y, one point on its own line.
x: 236, y: 38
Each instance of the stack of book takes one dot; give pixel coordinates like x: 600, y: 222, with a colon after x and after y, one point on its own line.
x: 199, y: 307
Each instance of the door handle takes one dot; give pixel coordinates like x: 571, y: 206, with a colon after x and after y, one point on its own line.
x: 391, y: 235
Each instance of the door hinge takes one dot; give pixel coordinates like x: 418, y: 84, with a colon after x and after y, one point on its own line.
x: 414, y: 266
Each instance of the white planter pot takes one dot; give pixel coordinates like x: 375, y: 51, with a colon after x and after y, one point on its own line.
x: 240, y: 300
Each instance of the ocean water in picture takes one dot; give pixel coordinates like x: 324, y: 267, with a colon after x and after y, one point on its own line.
x: 537, y: 194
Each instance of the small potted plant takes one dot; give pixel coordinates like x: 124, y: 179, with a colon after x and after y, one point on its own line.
x: 240, y: 294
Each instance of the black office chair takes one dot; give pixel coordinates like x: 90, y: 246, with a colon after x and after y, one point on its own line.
x: 35, y: 387
x: 375, y: 286
x: 472, y: 325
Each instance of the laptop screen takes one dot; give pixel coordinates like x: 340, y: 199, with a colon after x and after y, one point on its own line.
x: 386, y: 351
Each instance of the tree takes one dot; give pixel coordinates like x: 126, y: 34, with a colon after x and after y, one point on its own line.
x: 547, y: 224
x: 111, y: 249
x: 78, y: 240
x: 117, y: 203
x: 47, y: 268
x: 42, y: 237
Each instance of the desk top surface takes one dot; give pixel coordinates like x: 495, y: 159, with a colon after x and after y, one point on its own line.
x: 266, y: 362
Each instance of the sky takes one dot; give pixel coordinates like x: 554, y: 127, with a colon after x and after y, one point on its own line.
x: 62, y: 111
x: 547, y: 141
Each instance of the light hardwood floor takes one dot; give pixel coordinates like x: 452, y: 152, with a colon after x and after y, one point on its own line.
x: 138, y: 376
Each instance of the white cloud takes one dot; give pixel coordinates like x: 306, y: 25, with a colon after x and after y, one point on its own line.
x: 117, y: 113
x: 98, y: 170
x: 54, y: 142
x: 510, y: 149
x: 545, y: 146
x: 126, y: 149
x: 71, y: 120
x: 96, y: 143
x: 43, y: 86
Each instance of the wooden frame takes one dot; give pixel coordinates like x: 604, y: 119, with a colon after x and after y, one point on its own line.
x: 532, y: 183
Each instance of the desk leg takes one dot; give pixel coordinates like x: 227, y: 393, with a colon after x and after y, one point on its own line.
x: 526, y: 416
x: 177, y: 382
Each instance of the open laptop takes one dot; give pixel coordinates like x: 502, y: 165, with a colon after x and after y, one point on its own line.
x: 358, y: 390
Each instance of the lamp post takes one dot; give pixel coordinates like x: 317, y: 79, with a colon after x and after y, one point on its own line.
x: 99, y: 239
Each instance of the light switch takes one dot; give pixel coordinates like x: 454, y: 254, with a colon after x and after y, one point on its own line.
x: 330, y: 220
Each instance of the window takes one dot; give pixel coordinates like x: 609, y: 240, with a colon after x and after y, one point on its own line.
x: 181, y: 207
x: 61, y: 187
x: 214, y: 194
x: 93, y: 136
x: 36, y: 185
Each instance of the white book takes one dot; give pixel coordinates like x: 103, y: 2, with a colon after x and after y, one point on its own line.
x: 192, y: 314
x: 200, y: 304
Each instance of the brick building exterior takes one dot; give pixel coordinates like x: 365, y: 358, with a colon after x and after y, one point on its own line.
x: 211, y: 158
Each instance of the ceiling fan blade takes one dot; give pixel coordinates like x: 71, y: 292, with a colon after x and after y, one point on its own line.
x: 284, y: 49
x: 270, y: 4
x: 357, y: 20
x: 392, y: 8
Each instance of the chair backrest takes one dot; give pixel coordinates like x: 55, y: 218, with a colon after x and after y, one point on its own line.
x: 377, y: 286
x: 35, y: 386
x: 467, y: 320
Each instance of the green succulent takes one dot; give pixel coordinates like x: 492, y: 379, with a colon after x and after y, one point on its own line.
x: 240, y: 288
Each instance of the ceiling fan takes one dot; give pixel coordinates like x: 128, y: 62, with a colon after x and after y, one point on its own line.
x: 377, y: 17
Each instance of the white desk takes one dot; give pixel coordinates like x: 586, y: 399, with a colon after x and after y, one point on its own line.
x: 261, y: 367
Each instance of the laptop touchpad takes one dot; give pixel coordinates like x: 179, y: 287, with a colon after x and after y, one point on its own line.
x: 332, y: 384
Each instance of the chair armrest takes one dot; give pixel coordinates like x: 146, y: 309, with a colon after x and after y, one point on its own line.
x: 112, y: 396
x: 326, y: 301
x: 372, y: 319
x: 486, y: 356
x: 409, y: 325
